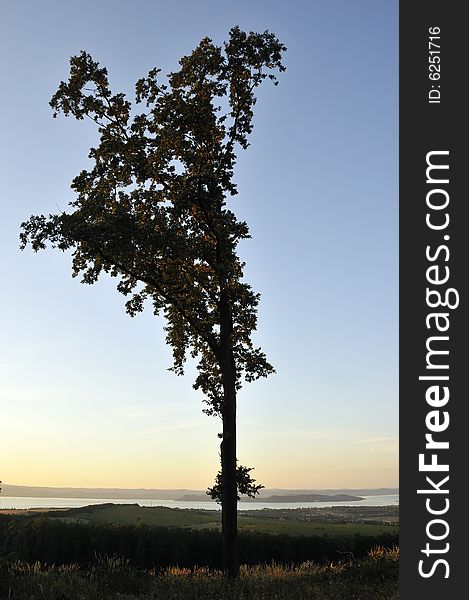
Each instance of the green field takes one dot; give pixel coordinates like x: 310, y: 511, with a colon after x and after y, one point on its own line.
x: 133, y: 514
x: 331, y: 521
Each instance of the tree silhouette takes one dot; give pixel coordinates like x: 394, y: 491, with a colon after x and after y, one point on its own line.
x: 153, y: 213
x: 246, y: 484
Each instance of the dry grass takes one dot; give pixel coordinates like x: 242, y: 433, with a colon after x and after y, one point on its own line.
x: 372, y: 578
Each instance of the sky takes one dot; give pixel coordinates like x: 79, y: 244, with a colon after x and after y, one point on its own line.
x: 86, y: 399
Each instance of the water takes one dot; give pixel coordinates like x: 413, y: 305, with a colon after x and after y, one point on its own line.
x: 27, y: 502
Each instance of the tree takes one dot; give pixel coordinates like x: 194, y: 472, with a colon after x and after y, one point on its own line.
x: 153, y: 213
x: 245, y: 483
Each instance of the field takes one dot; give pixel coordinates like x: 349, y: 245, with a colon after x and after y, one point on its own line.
x: 373, y: 578
x: 128, y: 552
x: 298, y: 521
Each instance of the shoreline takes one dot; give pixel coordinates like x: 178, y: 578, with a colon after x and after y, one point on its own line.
x: 25, y: 511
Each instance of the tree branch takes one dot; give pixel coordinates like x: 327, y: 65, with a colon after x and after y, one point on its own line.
x: 169, y: 299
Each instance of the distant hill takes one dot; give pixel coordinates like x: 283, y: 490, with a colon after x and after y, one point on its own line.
x: 92, y: 493
x: 181, y: 495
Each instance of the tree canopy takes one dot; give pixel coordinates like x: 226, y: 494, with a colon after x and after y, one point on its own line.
x: 152, y: 211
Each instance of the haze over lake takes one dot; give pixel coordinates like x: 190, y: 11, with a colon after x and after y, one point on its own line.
x: 30, y: 502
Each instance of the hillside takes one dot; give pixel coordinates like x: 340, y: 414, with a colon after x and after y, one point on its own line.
x: 167, y: 494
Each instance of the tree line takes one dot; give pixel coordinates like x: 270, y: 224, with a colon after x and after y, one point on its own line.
x: 56, y: 542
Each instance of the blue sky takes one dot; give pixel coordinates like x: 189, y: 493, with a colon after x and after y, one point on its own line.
x: 85, y: 395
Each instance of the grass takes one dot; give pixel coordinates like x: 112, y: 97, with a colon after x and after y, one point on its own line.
x: 133, y: 514
x: 310, y: 528
x: 372, y: 578
x: 296, y: 522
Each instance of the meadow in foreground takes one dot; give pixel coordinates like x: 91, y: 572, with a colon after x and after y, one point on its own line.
x: 374, y: 577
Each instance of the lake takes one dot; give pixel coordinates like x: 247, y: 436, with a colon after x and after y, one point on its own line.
x: 27, y: 502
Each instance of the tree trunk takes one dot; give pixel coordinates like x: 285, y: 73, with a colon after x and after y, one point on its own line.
x: 229, y: 487
x: 228, y: 447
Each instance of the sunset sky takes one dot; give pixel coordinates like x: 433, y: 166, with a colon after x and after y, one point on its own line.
x: 86, y: 399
